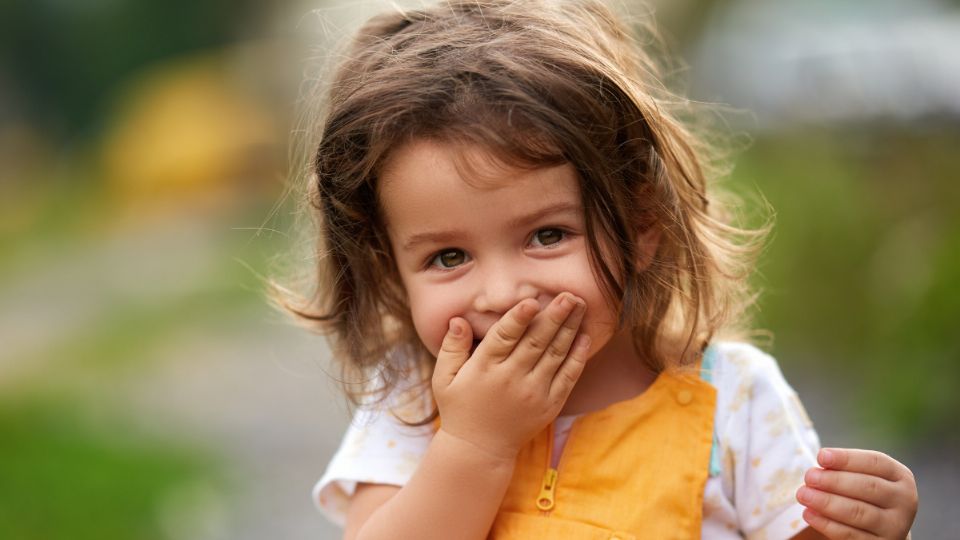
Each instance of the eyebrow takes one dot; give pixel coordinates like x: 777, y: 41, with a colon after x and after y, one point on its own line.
x: 516, y: 223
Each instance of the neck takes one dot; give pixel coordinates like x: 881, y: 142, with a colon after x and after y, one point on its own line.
x: 615, y: 373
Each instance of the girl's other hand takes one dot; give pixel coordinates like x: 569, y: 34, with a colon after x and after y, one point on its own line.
x: 517, y: 380
x: 859, y: 494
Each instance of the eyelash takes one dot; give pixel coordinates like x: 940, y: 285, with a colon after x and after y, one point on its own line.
x: 432, y: 262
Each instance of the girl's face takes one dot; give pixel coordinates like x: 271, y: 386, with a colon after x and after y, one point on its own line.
x: 475, y: 247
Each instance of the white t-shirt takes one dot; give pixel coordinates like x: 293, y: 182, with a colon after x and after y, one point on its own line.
x: 764, y: 443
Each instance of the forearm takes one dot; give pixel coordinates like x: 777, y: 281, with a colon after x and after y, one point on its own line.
x: 455, y: 493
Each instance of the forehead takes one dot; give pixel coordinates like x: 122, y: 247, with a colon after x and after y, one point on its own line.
x: 426, y: 182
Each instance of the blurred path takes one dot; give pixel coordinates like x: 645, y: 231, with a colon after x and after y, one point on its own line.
x: 158, y: 325
x: 255, y: 393
x: 69, y: 289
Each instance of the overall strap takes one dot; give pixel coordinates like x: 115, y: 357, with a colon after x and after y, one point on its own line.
x: 706, y: 373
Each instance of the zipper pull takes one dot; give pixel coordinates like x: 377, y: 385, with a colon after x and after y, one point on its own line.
x: 545, y: 499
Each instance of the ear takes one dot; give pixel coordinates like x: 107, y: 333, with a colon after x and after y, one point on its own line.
x: 647, y: 242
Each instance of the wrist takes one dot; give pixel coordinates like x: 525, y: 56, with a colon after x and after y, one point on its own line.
x: 492, y: 454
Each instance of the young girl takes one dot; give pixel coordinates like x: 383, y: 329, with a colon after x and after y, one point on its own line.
x: 522, y: 260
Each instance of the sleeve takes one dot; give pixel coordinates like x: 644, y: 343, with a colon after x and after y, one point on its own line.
x: 377, y: 448
x: 767, y: 443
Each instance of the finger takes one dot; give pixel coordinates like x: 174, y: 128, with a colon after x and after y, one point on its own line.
x: 543, y: 330
x: 853, y: 513
x: 833, y: 529
x: 872, y: 489
x: 559, y: 348
x: 454, y: 352
x: 503, y: 336
x: 861, y: 461
x: 571, y: 369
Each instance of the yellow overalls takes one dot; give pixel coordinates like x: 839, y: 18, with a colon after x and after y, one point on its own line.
x: 634, y: 470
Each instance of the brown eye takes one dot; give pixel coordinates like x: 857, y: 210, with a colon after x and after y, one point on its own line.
x: 547, y: 237
x: 450, y: 258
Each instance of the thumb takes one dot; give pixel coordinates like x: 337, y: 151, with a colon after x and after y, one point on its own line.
x: 454, y: 352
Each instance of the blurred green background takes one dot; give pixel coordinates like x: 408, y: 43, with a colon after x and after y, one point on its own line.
x: 148, y: 391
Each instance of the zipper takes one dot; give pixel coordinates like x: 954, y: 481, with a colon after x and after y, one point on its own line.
x: 548, y: 486
x: 545, y: 500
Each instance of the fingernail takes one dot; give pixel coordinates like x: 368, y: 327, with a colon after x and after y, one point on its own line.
x: 584, y: 341
x: 803, y: 494
x: 455, y: 329
x: 814, y: 476
x: 827, y: 457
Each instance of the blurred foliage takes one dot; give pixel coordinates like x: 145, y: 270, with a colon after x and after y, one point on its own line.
x: 65, y: 478
x: 119, y: 123
x: 861, y: 274
x: 73, y: 465
x: 65, y: 58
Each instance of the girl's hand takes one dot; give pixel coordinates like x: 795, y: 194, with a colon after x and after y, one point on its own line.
x: 517, y: 380
x: 859, y: 494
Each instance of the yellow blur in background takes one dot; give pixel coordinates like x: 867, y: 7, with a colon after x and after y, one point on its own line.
x: 184, y: 131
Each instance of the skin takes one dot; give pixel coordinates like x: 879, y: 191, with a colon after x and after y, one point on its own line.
x: 529, y: 361
x: 858, y: 494
x: 495, y: 238
x: 499, y: 284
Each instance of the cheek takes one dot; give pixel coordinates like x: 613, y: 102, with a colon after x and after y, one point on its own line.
x: 600, y: 320
x: 431, y: 318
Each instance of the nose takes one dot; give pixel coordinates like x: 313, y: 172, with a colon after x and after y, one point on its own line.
x: 501, y: 287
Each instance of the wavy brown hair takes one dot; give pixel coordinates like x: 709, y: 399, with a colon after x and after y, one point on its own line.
x: 535, y: 83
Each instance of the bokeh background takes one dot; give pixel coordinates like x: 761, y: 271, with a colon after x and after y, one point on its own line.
x: 147, y: 389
